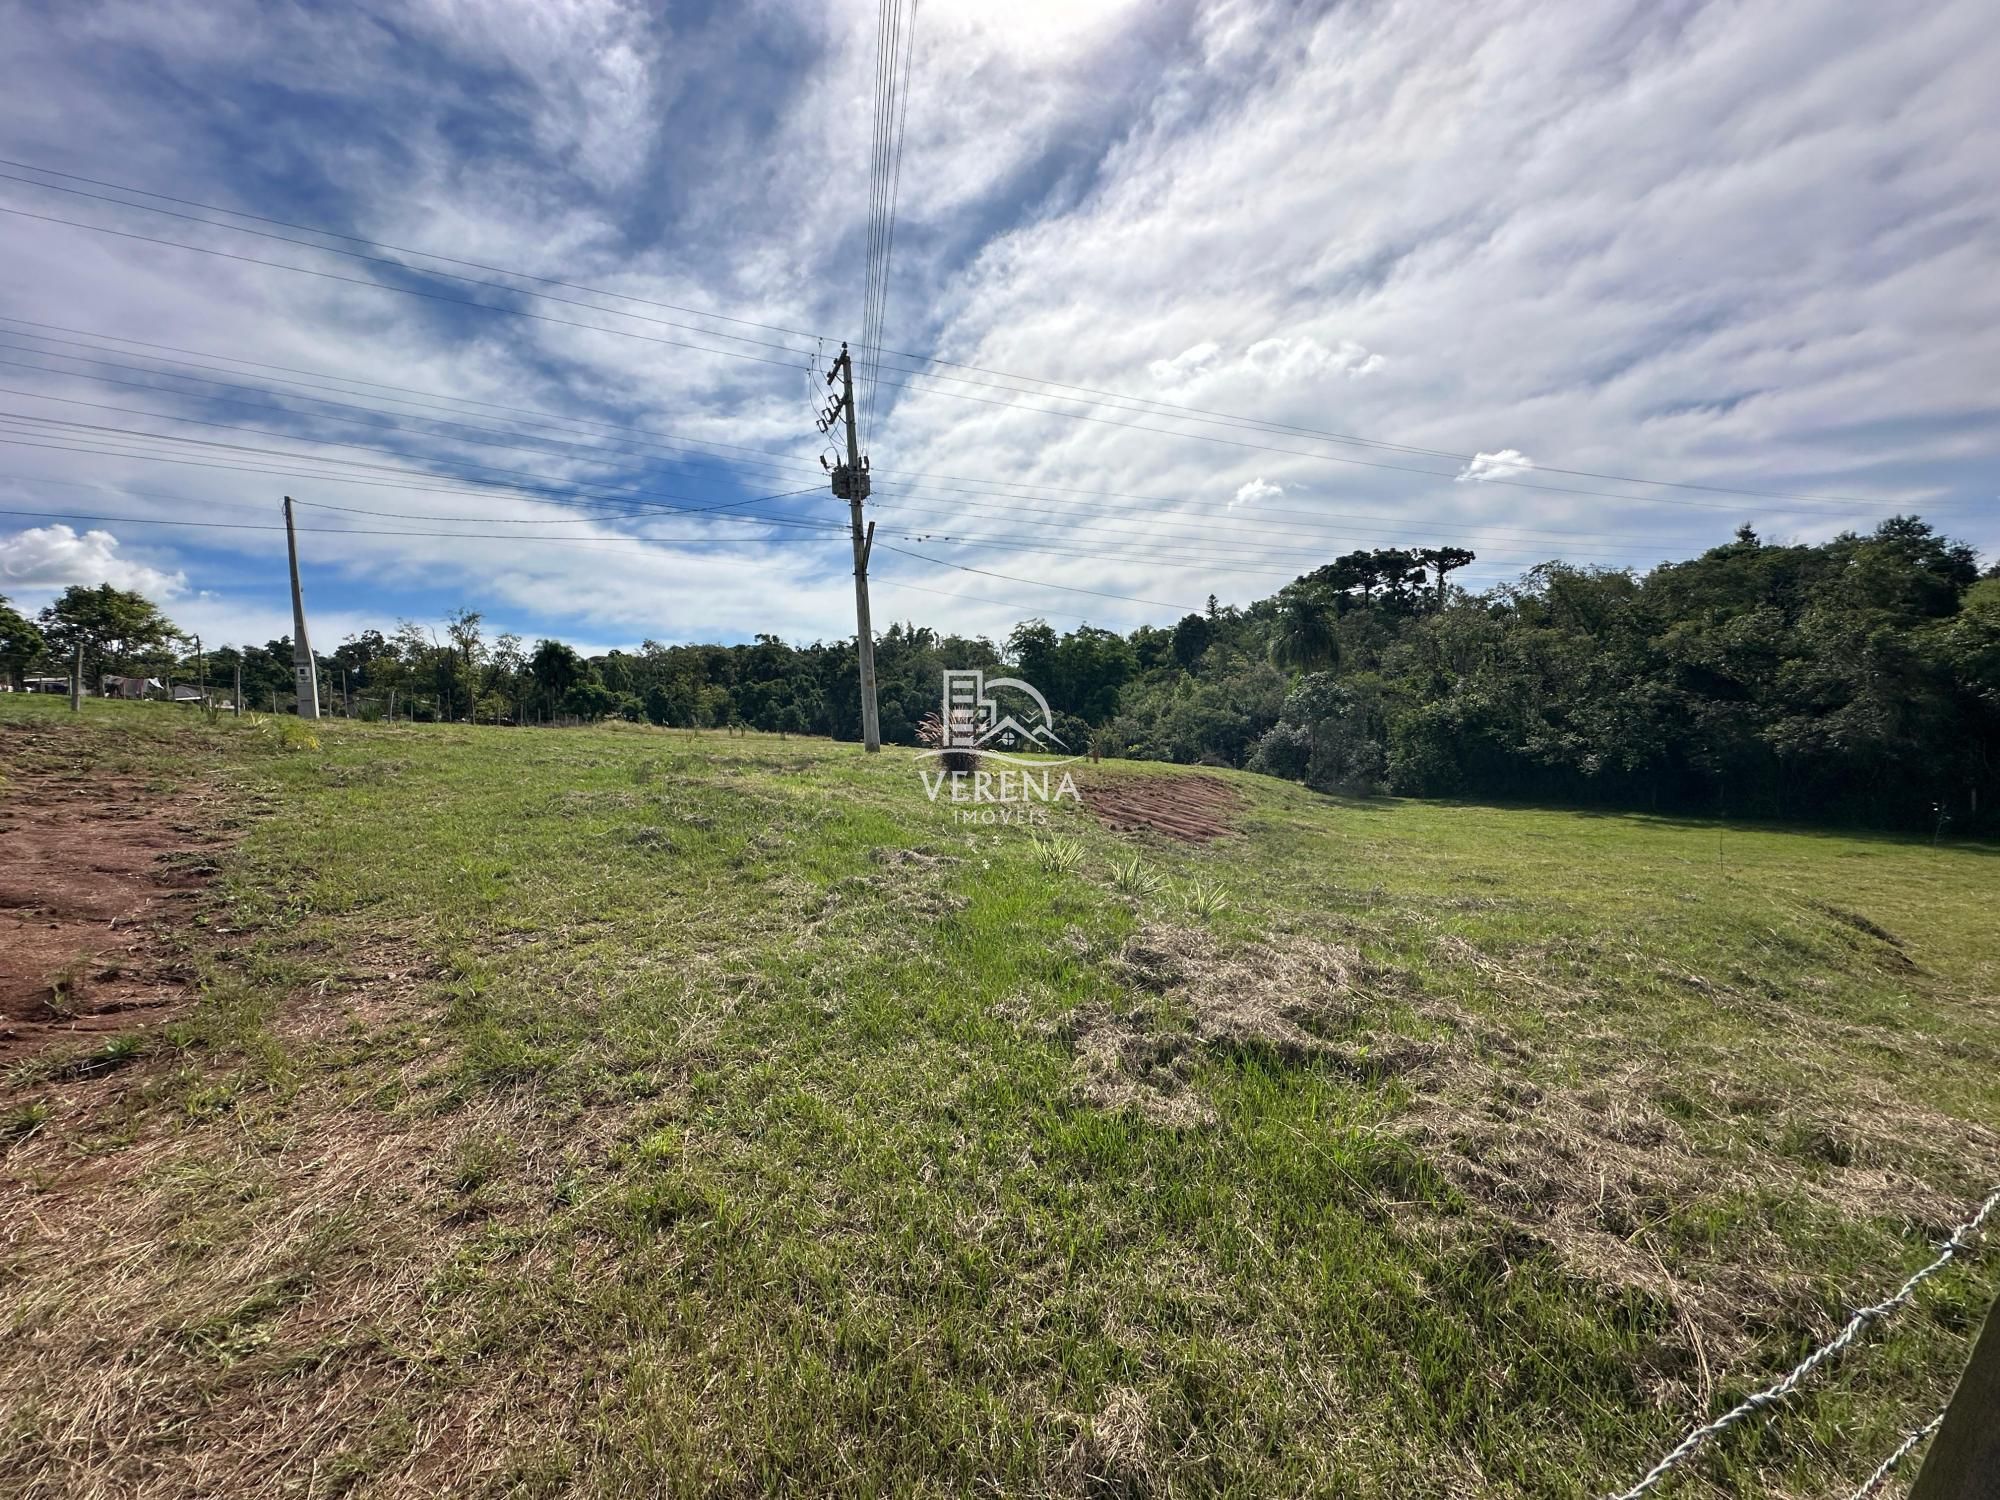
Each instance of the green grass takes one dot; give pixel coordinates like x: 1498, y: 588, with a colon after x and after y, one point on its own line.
x: 628, y: 1111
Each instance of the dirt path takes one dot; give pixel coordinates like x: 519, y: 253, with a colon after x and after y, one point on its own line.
x: 95, y: 874
x: 1192, y: 808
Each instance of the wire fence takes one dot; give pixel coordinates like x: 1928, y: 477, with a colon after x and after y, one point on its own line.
x: 1961, y: 1240
x: 1873, y: 1484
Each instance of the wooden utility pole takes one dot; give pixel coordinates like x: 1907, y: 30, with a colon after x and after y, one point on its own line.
x: 76, y: 681
x: 850, y: 483
x: 1964, y: 1461
x: 302, y: 657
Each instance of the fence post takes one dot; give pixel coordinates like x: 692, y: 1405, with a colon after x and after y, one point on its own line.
x: 1964, y: 1459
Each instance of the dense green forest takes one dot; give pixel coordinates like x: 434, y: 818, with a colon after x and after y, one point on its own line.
x: 1854, y: 681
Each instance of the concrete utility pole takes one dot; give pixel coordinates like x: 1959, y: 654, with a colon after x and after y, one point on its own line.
x: 201, y: 670
x: 1964, y: 1461
x: 850, y: 482
x: 238, y: 709
x: 76, y: 681
x: 302, y: 657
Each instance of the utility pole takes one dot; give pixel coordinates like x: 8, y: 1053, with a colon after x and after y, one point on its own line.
x: 302, y: 657
x: 76, y: 681
x: 850, y: 483
x: 201, y: 670
x: 239, y: 683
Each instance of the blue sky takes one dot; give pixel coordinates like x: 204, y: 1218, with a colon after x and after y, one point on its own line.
x: 1746, y: 248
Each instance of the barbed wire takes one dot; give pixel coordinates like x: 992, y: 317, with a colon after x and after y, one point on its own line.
x: 1873, y: 1485
x: 1771, y: 1395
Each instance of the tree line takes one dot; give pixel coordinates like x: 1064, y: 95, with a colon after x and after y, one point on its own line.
x: 1856, y: 680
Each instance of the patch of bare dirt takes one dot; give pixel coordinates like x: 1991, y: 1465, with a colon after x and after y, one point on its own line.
x: 95, y: 875
x: 1194, y: 809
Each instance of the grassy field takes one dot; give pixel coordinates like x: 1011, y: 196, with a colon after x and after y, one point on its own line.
x: 627, y: 1111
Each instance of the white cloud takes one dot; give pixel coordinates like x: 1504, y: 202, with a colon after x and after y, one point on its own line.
x: 1272, y: 362
x: 1293, y: 359
x: 1187, y: 362
x: 1502, y: 465
x: 48, y: 559
x: 1599, y: 230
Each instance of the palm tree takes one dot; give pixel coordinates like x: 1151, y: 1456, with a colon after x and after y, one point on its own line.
x: 1304, y: 640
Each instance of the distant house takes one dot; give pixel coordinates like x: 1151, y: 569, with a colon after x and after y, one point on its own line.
x: 45, y: 684
x: 113, y: 686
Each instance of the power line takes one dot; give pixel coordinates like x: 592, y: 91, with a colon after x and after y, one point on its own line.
x: 485, y: 435
x: 494, y: 536
x: 399, y: 265
x: 767, y: 459
x: 1035, y: 582
x: 1209, y: 560
x: 662, y: 441
x: 892, y: 582
x: 1206, y: 563
x: 400, y: 249
x: 495, y: 438
x: 354, y: 510
x: 1337, y: 521
x: 384, y: 419
x: 335, y: 443
x: 1195, y: 533
x: 1258, y: 562
x: 407, y: 291
x: 770, y: 458
x: 1838, y: 501
x: 892, y: 99
x: 1166, y: 407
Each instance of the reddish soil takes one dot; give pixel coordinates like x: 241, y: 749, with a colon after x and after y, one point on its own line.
x: 95, y: 873
x: 1192, y: 808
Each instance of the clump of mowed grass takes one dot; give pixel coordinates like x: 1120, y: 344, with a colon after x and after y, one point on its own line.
x: 622, y: 1110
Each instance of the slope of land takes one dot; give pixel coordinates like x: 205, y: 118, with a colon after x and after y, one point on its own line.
x: 622, y: 1110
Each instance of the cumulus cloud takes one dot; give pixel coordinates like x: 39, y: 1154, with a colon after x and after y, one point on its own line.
x: 48, y: 559
x: 1502, y: 465
x: 1257, y: 489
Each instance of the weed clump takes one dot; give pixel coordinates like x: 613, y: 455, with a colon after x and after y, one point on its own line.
x: 285, y: 735
x: 951, y: 754
x: 1203, y: 899
x: 1058, y: 854
x: 1132, y: 877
